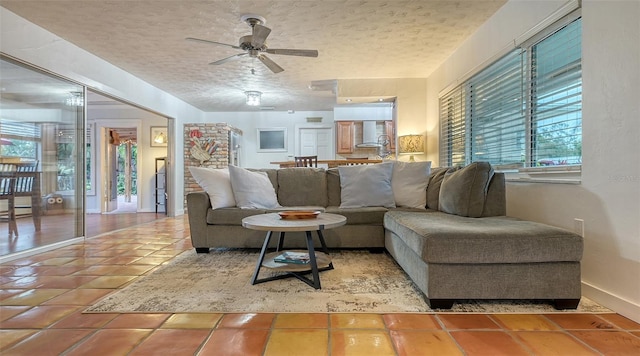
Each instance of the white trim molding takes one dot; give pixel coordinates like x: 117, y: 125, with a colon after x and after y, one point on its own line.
x: 620, y: 305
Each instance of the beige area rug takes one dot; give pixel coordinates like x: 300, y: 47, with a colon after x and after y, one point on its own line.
x: 220, y: 282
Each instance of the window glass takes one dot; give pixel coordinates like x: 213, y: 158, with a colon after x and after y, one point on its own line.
x: 557, y: 98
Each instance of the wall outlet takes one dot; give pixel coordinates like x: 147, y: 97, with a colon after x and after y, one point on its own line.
x: 578, y: 226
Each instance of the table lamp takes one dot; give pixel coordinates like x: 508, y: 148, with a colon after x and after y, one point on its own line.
x: 410, y: 144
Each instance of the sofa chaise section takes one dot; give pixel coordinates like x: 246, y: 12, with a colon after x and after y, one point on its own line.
x: 452, y: 257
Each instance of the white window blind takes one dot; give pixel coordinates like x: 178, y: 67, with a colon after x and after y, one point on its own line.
x: 25, y: 130
x: 453, y: 128
x: 556, y: 91
x: 523, y: 110
x: 497, y: 112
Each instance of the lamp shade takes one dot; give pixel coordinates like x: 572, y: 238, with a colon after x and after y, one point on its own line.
x: 410, y: 144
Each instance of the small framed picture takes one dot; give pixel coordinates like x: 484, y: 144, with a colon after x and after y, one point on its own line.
x: 272, y: 139
x: 159, y: 136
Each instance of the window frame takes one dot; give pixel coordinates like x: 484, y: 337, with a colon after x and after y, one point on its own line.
x: 525, y: 171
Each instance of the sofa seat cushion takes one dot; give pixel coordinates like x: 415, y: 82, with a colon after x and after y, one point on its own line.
x: 372, y: 215
x: 230, y: 216
x: 444, y: 238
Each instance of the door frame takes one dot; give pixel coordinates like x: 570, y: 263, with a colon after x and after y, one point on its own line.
x: 102, y: 124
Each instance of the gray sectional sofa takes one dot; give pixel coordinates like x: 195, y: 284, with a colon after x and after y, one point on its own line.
x: 462, y: 246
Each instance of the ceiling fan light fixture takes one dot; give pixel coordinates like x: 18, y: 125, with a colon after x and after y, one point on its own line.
x: 253, y: 97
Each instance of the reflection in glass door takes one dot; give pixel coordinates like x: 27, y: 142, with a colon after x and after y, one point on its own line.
x: 41, y: 124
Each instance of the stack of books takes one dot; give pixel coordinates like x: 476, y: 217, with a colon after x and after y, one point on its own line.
x: 300, y: 258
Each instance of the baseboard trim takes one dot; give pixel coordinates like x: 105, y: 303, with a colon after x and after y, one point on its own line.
x: 41, y: 249
x: 620, y: 305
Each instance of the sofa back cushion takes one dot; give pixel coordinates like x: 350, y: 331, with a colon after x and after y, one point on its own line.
x: 464, y: 191
x: 496, y: 202
x: 302, y: 187
x: 333, y: 187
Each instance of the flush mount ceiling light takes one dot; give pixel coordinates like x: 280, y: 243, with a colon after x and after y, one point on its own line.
x: 253, y: 97
x: 75, y: 99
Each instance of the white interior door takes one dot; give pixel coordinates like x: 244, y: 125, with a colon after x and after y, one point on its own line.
x: 316, y: 142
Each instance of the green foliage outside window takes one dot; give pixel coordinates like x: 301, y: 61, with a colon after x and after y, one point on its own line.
x: 19, y: 148
x: 122, y: 153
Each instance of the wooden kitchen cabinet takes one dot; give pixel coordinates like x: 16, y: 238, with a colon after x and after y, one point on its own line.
x: 390, y: 130
x: 345, y: 131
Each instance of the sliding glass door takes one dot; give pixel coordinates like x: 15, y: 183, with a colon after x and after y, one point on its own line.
x: 42, y: 124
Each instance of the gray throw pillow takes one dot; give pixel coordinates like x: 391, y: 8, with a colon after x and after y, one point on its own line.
x: 252, y: 190
x: 409, y: 183
x: 433, y: 187
x: 366, y: 185
x: 464, y: 192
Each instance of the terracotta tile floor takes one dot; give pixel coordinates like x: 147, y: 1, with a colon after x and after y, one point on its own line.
x: 42, y: 298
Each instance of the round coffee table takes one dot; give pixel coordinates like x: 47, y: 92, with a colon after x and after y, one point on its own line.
x: 318, y: 261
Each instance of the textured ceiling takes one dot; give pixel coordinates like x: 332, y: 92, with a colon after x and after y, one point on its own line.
x: 355, y: 40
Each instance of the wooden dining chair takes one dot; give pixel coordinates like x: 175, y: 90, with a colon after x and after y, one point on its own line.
x: 306, y: 161
x: 358, y: 161
x: 7, y: 187
x: 27, y: 184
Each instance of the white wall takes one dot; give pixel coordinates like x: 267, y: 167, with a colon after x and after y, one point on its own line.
x: 608, y: 199
x: 30, y: 43
x: 365, y: 112
x: 249, y: 122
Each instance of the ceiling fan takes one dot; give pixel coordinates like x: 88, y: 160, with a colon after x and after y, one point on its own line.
x: 255, y: 45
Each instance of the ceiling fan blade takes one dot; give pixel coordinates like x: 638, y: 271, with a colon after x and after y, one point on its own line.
x: 211, y: 42
x: 259, y: 35
x: 224, y: 60
x: 270, y: 64
x: 294, y: 52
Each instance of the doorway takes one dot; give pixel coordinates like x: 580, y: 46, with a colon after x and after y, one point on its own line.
x: 123, y: 173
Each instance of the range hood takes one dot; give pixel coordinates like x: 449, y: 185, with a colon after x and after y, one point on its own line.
x: 369, y: 135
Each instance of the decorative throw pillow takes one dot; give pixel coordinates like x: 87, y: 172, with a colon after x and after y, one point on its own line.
x: 366, y: 185
x: 217, y: 184
x: 252, y: 190
x: 409, y: 183
x: 433, y: 187
x: 464, y: 192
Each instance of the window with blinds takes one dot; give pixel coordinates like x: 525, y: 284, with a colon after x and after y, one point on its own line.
x: 19, y: 139
x: 523, y: 110
x: 556, y: 98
